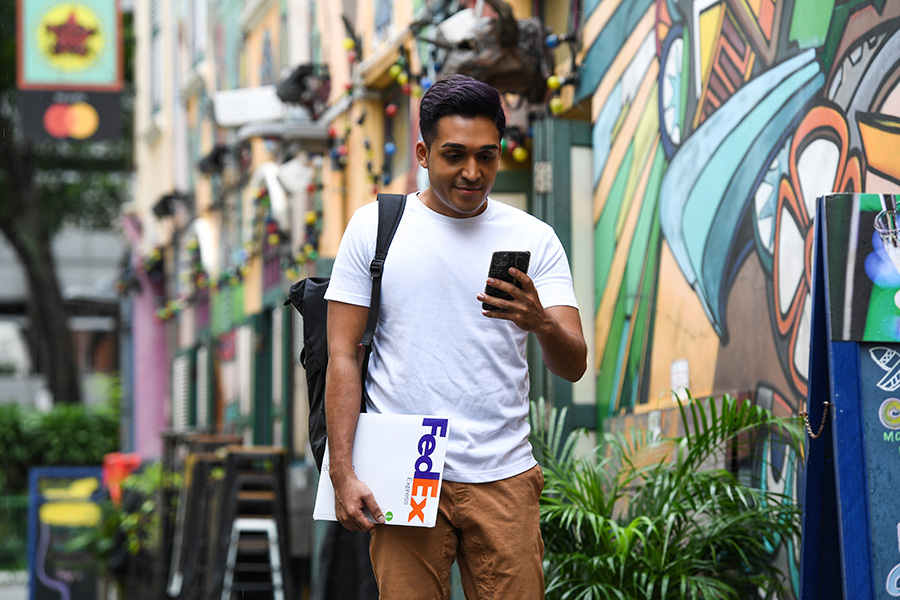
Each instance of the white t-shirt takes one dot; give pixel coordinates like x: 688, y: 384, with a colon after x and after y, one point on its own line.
x: 434, y: 352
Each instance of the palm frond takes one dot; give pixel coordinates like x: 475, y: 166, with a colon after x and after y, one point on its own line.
x: 644, y: 518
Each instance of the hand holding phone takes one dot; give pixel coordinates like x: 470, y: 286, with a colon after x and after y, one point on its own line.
x: 501, y: 262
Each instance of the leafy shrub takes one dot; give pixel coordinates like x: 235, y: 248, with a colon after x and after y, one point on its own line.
x: 12, y: 553
x: 66, y: 435
x: 15, y: 448
x: 640, y: 518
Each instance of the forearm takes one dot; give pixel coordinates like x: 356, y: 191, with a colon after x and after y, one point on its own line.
x: 343, y: 392
x: 562, y: 345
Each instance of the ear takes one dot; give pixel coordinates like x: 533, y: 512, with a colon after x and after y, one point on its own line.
x: 422, y: 154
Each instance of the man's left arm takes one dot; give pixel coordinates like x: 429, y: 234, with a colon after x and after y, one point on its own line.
x: 557, y: 328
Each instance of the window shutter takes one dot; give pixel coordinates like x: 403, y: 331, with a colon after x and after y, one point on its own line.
x: 202, y: 386
x: 181, y: 370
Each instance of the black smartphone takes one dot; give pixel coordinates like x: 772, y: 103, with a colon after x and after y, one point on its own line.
x: 501, y: 261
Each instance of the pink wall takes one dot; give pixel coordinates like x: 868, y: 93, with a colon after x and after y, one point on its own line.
x: 151, y: 375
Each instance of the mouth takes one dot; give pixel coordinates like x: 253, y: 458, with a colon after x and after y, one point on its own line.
x: 468, y: 191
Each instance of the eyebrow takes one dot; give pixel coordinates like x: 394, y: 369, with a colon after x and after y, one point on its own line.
x: 463, y: 147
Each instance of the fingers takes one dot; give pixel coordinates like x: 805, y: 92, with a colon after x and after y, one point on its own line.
x: 375, y: 511
x: 518, y: 294
x: 354, y: 507
x: 356, y: 520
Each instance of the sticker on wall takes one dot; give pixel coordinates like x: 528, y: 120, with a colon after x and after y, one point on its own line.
x: 888, y: 360
x: 893, y: 579
x: 889, y: 413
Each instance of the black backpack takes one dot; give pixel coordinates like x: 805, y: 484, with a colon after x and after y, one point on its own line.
x: 308, y: 297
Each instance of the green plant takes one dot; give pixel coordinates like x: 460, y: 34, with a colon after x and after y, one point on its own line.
x: 15, y: 448
x: 641, y: 518
x: 134, y: 527
x: 66, y: 435
x: 73, y: 435
x: 12, y: 553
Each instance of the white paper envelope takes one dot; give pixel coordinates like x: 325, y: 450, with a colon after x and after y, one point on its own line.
x: 401, y: 459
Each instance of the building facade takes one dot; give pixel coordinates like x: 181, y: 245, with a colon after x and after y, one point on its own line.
x: 676, y: 146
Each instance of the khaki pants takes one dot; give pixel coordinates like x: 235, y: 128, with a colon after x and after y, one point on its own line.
x: 491, y: 529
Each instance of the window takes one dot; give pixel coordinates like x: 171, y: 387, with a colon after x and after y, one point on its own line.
x: 384, y: 10
x: 199, y: 11
x: 156, y: 56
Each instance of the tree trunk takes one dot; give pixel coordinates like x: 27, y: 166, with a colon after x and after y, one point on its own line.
x: 50, y: 321
x: 23, y: 222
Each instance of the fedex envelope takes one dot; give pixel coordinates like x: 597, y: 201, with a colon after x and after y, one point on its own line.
x: 401, y: 459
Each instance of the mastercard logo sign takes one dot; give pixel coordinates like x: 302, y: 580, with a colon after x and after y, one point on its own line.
x: 78, y: 120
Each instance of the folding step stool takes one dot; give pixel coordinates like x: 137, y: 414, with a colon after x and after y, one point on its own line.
x: 254, y: 525
x: 252, y: 554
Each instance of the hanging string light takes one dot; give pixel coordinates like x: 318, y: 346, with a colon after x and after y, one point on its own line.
x: 555, y: 83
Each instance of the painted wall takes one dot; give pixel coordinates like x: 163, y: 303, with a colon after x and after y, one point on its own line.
x: 716, y: 124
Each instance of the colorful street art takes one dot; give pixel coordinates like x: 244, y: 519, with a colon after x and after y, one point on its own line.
x: 716, y: 125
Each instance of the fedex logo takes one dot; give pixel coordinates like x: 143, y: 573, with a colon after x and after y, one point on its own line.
x: 425, y: 482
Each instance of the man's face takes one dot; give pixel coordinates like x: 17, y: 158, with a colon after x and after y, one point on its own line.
x: 462, y: 164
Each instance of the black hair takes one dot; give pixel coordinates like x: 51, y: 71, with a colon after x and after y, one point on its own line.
x: 459, y: 95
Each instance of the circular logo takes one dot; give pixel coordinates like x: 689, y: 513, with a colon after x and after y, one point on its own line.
x: 79, y: 120
x: 388, y: 515
x: 70, y: 35
x: 889, y: 413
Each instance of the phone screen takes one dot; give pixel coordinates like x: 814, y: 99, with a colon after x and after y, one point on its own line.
x: 501, y: 261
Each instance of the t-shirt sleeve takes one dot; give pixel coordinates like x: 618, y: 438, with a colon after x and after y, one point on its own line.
x: 552, y: 277
x: 350, y: 280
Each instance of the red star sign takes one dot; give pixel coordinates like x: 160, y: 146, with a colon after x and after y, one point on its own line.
x: 71, y: 37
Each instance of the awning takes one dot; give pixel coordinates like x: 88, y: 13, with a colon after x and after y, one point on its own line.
x: 297, y: 126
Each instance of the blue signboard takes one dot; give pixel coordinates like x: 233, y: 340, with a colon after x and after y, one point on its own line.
x: 880, y: 385
x: 850, y: 543
x: 63, y: 502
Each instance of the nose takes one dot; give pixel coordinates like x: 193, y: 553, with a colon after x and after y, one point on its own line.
x: 471, y: 170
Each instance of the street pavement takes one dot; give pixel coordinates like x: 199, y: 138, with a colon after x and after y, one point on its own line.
x: 13, y: 585
x: 13, y: 592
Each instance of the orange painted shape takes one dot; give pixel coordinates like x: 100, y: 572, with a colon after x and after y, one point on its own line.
x: 767, y: 18
x: 881, y: 140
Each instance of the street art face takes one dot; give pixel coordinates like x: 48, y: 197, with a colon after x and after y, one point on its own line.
x: 716, y: 125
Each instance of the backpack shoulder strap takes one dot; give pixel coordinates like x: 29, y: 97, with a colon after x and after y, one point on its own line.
x: 390, y: 209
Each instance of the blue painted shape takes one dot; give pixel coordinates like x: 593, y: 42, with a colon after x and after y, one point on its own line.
x: 602, y: 132
x: 820, y: 573
x: 714, y: 280
x: 607, y: 45
x: 776, y: 167
x: 589, y: 7
x: 880, y: 443
x: 850, y: 473
x: 695, y: 185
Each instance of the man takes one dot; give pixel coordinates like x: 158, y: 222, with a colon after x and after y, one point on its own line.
x: 438, y: 352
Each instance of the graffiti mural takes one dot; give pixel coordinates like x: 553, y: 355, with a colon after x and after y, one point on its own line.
x: 716, y: 125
